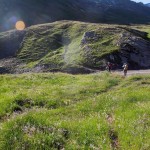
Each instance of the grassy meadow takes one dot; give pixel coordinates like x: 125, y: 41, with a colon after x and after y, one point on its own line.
x: 61, y: 111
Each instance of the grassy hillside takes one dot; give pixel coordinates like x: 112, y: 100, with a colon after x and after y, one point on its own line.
x: 60, y: 45
x: 61, y: 111
x: 74, y: 47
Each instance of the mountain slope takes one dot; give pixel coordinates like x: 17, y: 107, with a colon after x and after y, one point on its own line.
x: 39, y: 11
x: 74, y: 47
x: 148, y: 4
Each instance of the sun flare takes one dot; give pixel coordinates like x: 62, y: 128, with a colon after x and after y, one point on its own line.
x: 20, y: 25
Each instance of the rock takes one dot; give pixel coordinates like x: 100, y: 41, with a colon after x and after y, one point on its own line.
x: 90, y: 35
x: 135, y: 50
x: 3, y: 70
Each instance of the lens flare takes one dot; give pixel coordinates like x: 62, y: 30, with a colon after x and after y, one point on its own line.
x: 20, y: 25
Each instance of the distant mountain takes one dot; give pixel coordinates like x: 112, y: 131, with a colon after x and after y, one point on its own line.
x: 98, y: 11
x: 148, y: 4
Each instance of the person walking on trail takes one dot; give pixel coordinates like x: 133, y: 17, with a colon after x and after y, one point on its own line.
x: 109, y: 66
x: 125, y: 69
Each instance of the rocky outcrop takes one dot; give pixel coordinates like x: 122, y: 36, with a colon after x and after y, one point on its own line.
x: 134, y: 49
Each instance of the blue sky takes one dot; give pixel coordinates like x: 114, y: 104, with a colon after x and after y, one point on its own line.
x: 144, y: 1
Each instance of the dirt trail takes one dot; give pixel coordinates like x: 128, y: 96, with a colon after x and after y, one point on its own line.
x: 133, y: 72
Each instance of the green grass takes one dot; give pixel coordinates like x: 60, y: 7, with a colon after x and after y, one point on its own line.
x: 56, y: 111
x: 145, y: 28
x: 59, y: 44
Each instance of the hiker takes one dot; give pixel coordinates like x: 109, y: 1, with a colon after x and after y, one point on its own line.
x: 109, y: 66
x: 125, y: 68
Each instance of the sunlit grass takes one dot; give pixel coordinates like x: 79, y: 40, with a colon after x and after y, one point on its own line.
x: 56, y: 111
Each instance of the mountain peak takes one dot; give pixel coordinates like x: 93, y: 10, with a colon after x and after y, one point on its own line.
x: 97, y: 11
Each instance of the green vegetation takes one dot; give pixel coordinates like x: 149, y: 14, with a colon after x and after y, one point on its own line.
x: 145, y: 28
x: 72, y: 47
x: 56, y: 111
x: 59, y: 44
